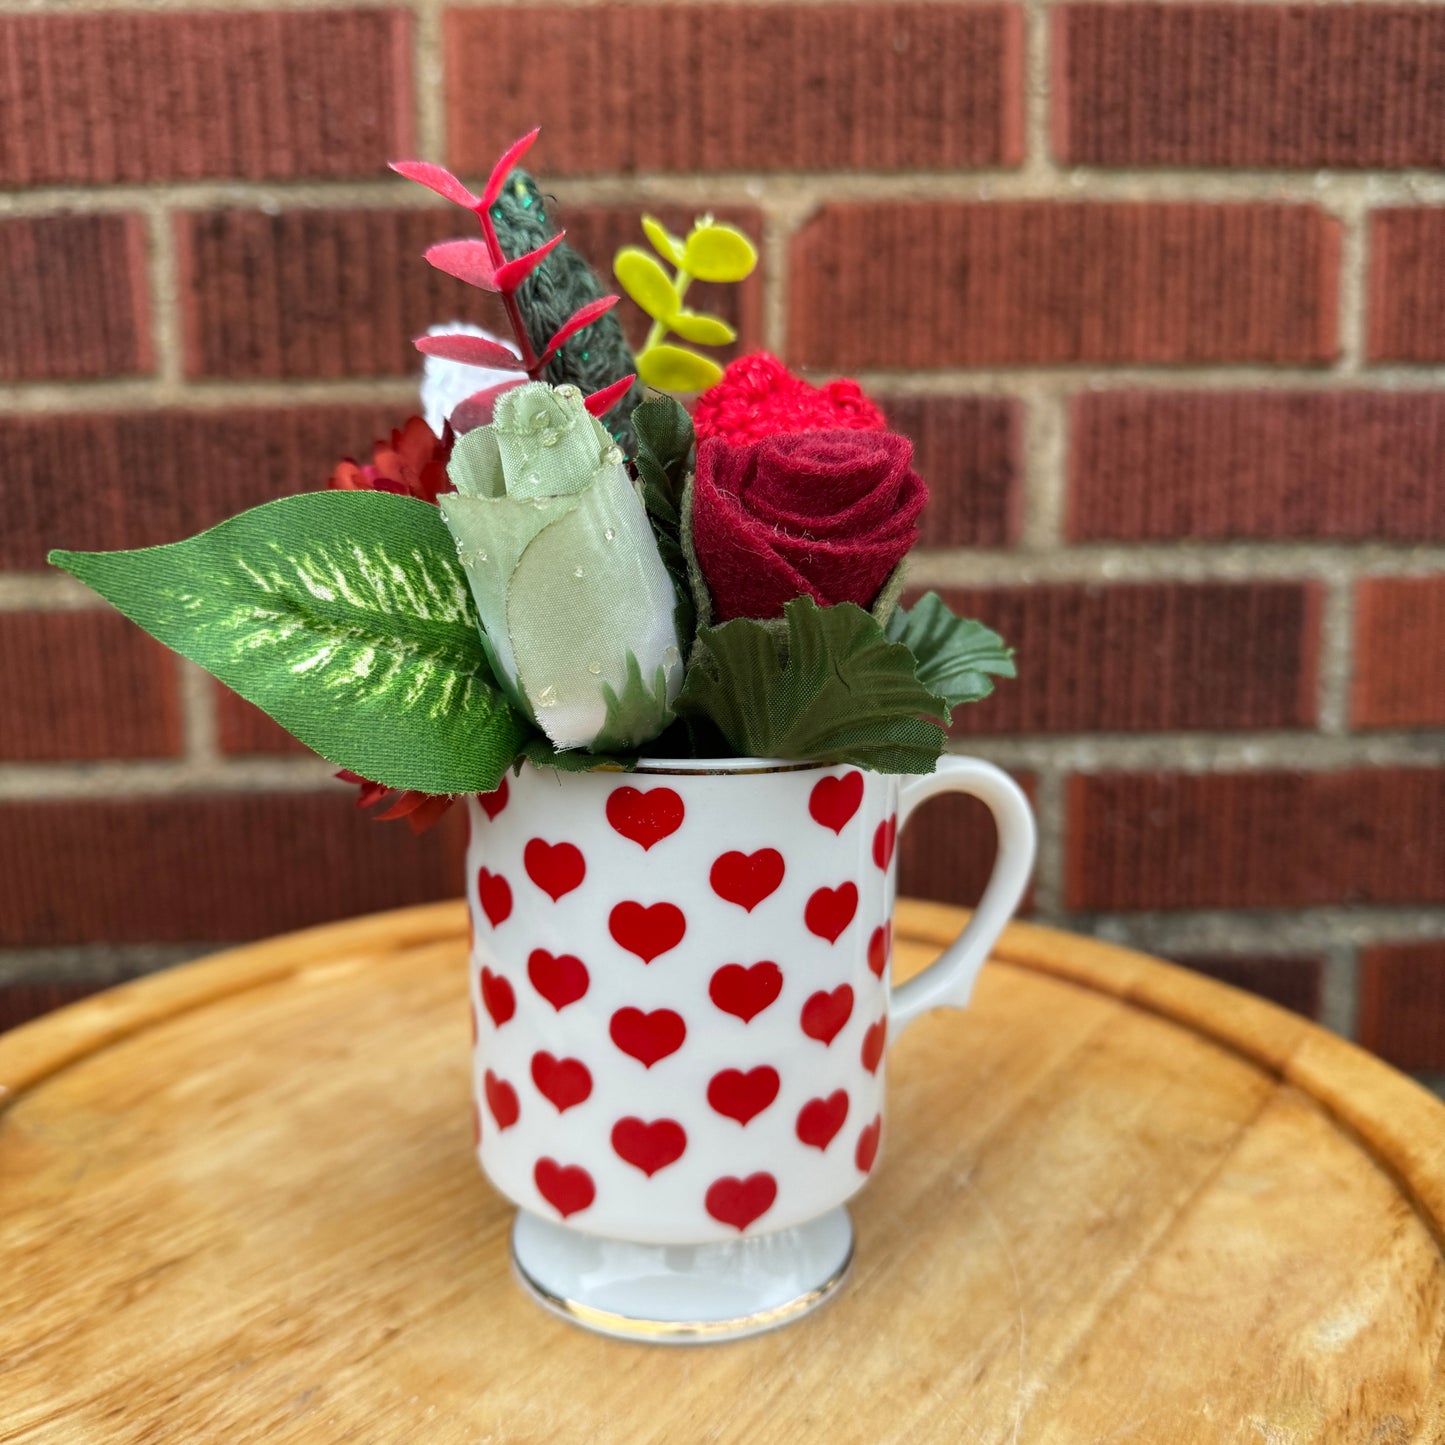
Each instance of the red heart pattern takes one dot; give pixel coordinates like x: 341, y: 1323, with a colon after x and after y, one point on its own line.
x: 878, y: 947
x: 644, y: 817
x: 833, y: 801
x: 495, y: 895
x: 884, y: 837
x: 830, y: 910
x: 568, y: 1188
x: 867, y: 1150
x: 873, y: 1041
x: 647, y: 1037
x: 820, y: 1119
x: 741, y: 1202
x: 556, y: 868
x: 564, y: 1083
x: 493, y: 802
x: 561, y: 978
x: 825, y: 1013
x: 747, y: 878
x: 647, y: 817
x: 648, y: 1147
x: 501, y: 1100
x: 743, y: 1096
x: 746, y: 992
x: 647, y: 932
x: 497, y: 997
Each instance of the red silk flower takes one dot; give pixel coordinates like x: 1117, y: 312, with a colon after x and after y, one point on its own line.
x: 828, y: 514
x: 758, y: 396
x: 412, y: 464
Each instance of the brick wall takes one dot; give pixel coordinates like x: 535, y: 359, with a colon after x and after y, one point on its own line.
x: 1159, y: 289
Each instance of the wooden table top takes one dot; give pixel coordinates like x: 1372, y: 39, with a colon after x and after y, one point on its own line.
x: 1121, y: 1203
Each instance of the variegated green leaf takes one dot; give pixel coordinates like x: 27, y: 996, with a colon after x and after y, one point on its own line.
x: 345, y: 616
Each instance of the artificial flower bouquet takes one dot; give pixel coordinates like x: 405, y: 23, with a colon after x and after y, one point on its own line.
x: 565, y: 567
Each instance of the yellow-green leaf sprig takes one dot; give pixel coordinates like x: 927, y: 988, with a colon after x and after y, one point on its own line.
x: 712, y: 251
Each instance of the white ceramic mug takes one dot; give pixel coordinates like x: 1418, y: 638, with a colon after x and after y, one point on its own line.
x: 681, y: 993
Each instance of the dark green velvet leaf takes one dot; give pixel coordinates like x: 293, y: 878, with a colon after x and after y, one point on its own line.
x: 956, y: 655
x: 664, y: 460
x: 838, y: 692
x: 345, y: 616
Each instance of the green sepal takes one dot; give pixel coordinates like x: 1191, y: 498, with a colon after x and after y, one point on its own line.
x: 840, y: 692
x: 538, y: 751
x: 955, y: 655
x: 637, y: 714
x: 343, y: 615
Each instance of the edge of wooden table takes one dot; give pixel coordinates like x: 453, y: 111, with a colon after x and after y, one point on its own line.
x: 1400, y: 1124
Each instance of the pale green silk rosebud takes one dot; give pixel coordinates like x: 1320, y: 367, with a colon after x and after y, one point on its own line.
x: 575, y: 602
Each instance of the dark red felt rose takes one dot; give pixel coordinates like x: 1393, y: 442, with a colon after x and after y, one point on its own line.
x: 826, y: 514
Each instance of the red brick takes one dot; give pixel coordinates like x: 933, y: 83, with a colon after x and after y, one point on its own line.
x: 888, y: 284
x: 344, y: 293
x: 263, y: 95
x: 1255, y: 840
x: 242, y: 727
x: 210, y: 868
x: 1407, y: 285
x: 158, y: 476
x: 1152, y: 465
x: 84, y: 685
x: 1402, y: 1003
x: 74, y: 296
x: 1249, y: 85
x: 946, y: 852
x: 967, y: 449
x: 21, y: 1002
x: 1294, y: 983
x: 1149, y: 656
x: 738, y: 88
x: 1399, y: 651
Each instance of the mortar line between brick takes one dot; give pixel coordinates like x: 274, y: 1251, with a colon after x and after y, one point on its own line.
x: 1277, y: 931
x: 1331, y: 190
x: 1352, y: 210
x: 1044, y: 483
x: 1340, y: 994
x: 427, y: 80
x: 1049, y: 813
x: 1336, y: 656
x: 1020, y: 381
x: 164, y: 308
x: 1186, y: 563
x: 198, y: 710
x: 1036, y: 81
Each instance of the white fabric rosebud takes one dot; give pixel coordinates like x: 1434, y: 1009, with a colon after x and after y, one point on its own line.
x: 575, y: 602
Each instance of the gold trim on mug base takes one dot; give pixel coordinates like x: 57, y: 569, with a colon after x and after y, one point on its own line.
x: 683, y: 1332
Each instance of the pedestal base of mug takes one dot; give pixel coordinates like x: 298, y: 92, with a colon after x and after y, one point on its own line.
x: 683, y: 1294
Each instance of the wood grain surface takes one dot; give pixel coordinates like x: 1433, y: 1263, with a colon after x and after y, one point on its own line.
x: 1119, y: 1203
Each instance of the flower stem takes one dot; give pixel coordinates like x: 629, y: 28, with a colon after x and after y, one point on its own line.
x: 529, y: 357
x: 680, y: 283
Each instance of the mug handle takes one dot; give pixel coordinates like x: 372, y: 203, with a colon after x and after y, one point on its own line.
x: 948, y: 981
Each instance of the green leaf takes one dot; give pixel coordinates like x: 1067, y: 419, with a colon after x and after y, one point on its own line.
x: 841, y: 693
x: 717, y: 252
x: 539, y: 751
x: 955, y: 654
x: 701, y: 327
x: 636, y: 715
x: 646, y: 282
x: 345, y: 616
x: 668, y: 246
x: 664, y: 455
x: 675, y: 368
